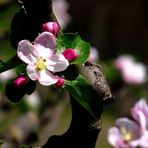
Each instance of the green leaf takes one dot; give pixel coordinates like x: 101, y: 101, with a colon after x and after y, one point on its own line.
x: 75, y: 42
x: 11, y: 63
x: 84, y: 94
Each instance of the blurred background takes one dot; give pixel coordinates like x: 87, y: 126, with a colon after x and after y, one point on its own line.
x: 117, y: 31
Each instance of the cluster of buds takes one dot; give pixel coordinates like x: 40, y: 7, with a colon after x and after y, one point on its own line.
x: 42, y: 63
x: 69, y: 53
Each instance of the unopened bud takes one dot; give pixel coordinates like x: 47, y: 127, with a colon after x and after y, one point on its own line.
x: 20, y: 81
x: 70, y: 54
x: 16, y: 89
x: 50, y: 27
x: 59, y: 83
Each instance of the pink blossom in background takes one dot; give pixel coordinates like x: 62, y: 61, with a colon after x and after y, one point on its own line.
x: 60, y: 8
x: 41, y: 59
x: 131, y: 133
x: 123, y: 133
x: 123, y: 61
x: 132, y: 72
x: 94, y: 55
x: 140, y: 113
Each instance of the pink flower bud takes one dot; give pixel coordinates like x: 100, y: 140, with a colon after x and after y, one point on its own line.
x: 59, y: 83
x: 50, y: 27
x: 70, y: 54
x: 20, y: 81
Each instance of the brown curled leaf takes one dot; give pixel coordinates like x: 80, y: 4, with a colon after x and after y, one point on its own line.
x: 94, y: 74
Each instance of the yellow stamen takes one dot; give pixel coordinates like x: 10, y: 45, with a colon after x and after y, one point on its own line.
x: 127, y: 135
x: 40, y: 64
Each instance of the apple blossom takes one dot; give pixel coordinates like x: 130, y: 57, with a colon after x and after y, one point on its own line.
x: 128, y: 133
x: 123, y: 133
x: 41, y: 59
x: 123, y: 61
x: 140, y: 113
x: 132, y: 72
x: 60, y: 8
x: 94, y: 55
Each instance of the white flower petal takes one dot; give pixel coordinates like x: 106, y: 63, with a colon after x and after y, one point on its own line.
x: 44, y: 52
x: 140, y: 113
x: 46, y: 78
x: 114, y: 136
x: 26, y: 51
x: 57, y: 63
x: 46, y: 39
x: 32, y: 72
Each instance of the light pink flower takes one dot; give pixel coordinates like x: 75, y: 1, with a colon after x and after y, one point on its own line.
x: 140, y: 114
x: 128, y: 133
x: 94, y: 55
x: 132, y: 72
x: 123, y: 62
x: 41, y: 59
x: 124, y: 132
x: 60, y: 8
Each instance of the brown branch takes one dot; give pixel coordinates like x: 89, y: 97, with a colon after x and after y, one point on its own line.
x: 84, y: 129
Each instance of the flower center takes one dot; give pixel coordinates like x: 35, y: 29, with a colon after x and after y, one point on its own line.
x: 40, y: 64
x: 127, y: 135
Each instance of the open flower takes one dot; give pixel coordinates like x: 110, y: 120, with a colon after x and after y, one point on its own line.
x: 132, y: 72
x: 124, y: 132
x: 131, y: 134
x: 60, y: 9
x: 41, y: 59
x: 140, y: 114
x: 94, y: 55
